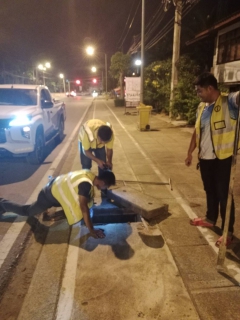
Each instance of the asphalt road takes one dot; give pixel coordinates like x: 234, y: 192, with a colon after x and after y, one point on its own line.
x: 21, y: 182
x: 164, y: 269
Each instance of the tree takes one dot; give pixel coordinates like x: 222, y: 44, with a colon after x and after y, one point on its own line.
x: 157, y: 84
x: 186, y: 101
x: 157, y: 87
x: 120, y: 65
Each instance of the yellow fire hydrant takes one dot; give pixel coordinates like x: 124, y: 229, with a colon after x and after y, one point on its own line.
x: 144, y: 115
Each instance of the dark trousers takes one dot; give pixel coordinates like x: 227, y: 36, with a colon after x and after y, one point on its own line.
x: 44, y: 201
x: 216, y: 176
x: 86, y: 163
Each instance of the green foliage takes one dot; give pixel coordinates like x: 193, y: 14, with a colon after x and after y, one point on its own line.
x: 185, y: 99
x: 157, y: 84
x: 120, y: 63
x: 223, y: 88
x: 157, y: 88
x: 185, y: 103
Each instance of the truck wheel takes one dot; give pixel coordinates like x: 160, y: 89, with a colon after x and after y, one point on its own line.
x: 60, y: 135
x: 37, y: 156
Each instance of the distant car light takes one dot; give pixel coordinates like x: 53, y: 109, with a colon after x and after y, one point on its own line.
x: 20, y: 121
x: 71, y: 94
x: 95, y: 94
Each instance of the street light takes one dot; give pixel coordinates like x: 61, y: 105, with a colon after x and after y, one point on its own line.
x: 43, y: 68
x: 94, y: 69
x: 62, y: 77
x: 138, y: 63
x: 90, y: 51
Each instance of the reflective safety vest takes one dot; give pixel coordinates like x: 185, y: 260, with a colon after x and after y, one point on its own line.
x: 222, y: 128
x: 65, y: 190
x: 89, y: 131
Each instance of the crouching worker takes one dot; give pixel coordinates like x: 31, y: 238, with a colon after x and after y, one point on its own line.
x: 74, y: 192
x: 96, y: 139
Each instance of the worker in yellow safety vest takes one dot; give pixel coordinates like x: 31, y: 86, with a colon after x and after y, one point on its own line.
x: 96, y: 139
x: 73, y: 192
x: 214, y: 136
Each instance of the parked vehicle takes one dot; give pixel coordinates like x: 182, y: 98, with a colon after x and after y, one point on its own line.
x: 29, y: 119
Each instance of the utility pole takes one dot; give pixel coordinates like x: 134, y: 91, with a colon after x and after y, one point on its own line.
x: 106, y: 72
x: 142, y: 51
x: 176, y: 50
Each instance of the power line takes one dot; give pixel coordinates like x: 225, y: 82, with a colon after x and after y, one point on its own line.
x: 131, y: 22
x: 150, y: 28
x: 126, y: 24
x: 165, y: 30
x: 161, y: 35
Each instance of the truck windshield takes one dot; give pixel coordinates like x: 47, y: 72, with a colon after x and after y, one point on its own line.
x: 18, y: 97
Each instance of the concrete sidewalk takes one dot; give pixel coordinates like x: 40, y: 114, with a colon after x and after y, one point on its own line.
x: 156, y: 156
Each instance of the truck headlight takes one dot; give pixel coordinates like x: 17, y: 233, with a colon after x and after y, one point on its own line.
x: 26, y: 132
x: 20, y: 121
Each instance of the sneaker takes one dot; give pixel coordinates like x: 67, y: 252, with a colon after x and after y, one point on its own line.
x: 200, y: 222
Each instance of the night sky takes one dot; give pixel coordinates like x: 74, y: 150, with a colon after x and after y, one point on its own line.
x: 33, y: 31
x: 58, y: 30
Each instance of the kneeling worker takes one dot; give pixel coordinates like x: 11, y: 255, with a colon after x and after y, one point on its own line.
x: 73, y: 192
x: 96, y: 143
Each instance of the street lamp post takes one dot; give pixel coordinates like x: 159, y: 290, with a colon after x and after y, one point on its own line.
x: 94, y: 69
x: 62, y: 77
x: 90, y: 51
x: 106, y: 71
x: 44, y: 68
x: 138, y: 63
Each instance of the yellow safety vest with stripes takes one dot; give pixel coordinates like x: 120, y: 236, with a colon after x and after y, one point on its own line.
x: 85, y: 128
x: 65, y: 190
x: 222, y: 128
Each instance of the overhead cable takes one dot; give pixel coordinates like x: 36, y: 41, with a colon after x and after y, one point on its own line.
x: 164, y: 31
x: 131, y: 23
x: 123, y: 32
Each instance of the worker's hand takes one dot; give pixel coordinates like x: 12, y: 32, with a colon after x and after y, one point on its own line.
x: 101, y: 164
x: 109, y: 165
x: 188, y: 160
x: 97, y: 233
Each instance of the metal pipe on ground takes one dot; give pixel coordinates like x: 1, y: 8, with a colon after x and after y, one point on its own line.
x: 169, y: 183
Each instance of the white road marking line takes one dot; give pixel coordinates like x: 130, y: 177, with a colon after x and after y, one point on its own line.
x: 94, y: 109
x: 16, y: 227
x: 66, y: 298
x: 207, y: 235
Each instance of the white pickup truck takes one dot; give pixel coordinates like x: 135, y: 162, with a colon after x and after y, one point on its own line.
x: 29, y: 119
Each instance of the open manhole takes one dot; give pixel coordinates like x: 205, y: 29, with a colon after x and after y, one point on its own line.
x: 108, y: 212
x: 115, y: 218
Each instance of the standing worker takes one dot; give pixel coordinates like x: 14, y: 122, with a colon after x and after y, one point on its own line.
x: 73, y: 192
x: 96, y: 143
x: 214, y: 136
